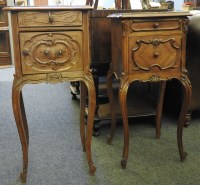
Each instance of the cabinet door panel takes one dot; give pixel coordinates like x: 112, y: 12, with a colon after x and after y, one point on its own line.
x: 153, y: 53
x: 47, y: 52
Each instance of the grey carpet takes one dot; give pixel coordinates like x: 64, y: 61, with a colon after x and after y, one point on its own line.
x: 55, y: 152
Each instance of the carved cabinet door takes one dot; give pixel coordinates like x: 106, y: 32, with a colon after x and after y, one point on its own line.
x: 51, y: 51
x: 154, y: 53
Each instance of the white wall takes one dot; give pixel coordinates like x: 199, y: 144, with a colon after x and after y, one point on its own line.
x: 177, y: 4
x: 10, y: 2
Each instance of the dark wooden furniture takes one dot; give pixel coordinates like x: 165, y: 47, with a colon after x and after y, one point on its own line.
x: 174, y: 96
x: 149, y: 47
x: 5, y: 55
x: 51, y: 45
x: 100, y: 33
x: 100, y: 38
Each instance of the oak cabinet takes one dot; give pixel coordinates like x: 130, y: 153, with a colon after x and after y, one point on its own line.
x: 51, y: 45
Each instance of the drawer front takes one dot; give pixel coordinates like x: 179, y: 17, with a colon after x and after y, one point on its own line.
x: 154, y: 53
x: 43, y: 52
x: 51, y: 18
x: 150, y: 25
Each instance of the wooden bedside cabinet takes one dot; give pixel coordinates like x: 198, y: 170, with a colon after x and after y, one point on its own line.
x: 148, y: 47
x: 51, y: 45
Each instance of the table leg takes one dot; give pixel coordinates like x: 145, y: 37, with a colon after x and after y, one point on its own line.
x: 90, y: 121
x: 159, y: 108
x: 187, y: 88
x: 21, y: 122
x: 83, y: 95
x: 110, y: 77
x: 24, y: 117
x: 122, y: 99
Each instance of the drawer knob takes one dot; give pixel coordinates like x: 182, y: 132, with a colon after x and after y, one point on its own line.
x: 156, y: 55
x: 59, y: 53
x: 25, y: 52
x: 156, y: 25
x: 46, y: 52
x: 51, y: 19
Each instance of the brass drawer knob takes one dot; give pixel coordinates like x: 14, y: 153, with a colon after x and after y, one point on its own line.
x: 46, y: 52
x: 59, y: 53
x: 156, y: 55
x: 51, y: 19
x: 156, y: 25
x: 25, y: 52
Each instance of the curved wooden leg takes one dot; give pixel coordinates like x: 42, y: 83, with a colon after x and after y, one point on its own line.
x: 122, y: 99
x: 188, y: 118
x: 159, y: 108
x: 24, y: 117
x: 21, y: 123
x: 187, y: 97
x: 112, y: 107
x: 83, y: 94
x: 91, y: 111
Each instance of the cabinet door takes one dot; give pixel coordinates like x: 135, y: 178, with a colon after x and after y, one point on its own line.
x: 154, y: 53
x: 43, y: 52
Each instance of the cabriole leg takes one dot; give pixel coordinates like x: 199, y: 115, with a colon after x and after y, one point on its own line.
x: 187, y: 88
x: 90, y: 121
x: 21, y: 123
x: 122, y: 99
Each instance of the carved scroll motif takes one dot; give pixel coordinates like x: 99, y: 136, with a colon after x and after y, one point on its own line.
x: 50, y: 51
x: 27, y: 19
x: 146, y: 53
x: 125, y: 27
x: 185, y: 25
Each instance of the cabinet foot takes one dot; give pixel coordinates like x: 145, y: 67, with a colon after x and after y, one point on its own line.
x: 96, y: 131
x: 92, y: 170
x: 123, y: 163
x: 23, y: 176
x: 109, y: 139
x: 183, y: 156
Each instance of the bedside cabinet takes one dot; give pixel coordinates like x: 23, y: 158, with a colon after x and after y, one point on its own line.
x: 51, y: 45
x: 148, y: 47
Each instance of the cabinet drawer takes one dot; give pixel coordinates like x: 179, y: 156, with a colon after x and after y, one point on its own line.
x: 50, y: 18
x: 43, y: 52
x: 150, y: 25
x: 153, y: 53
